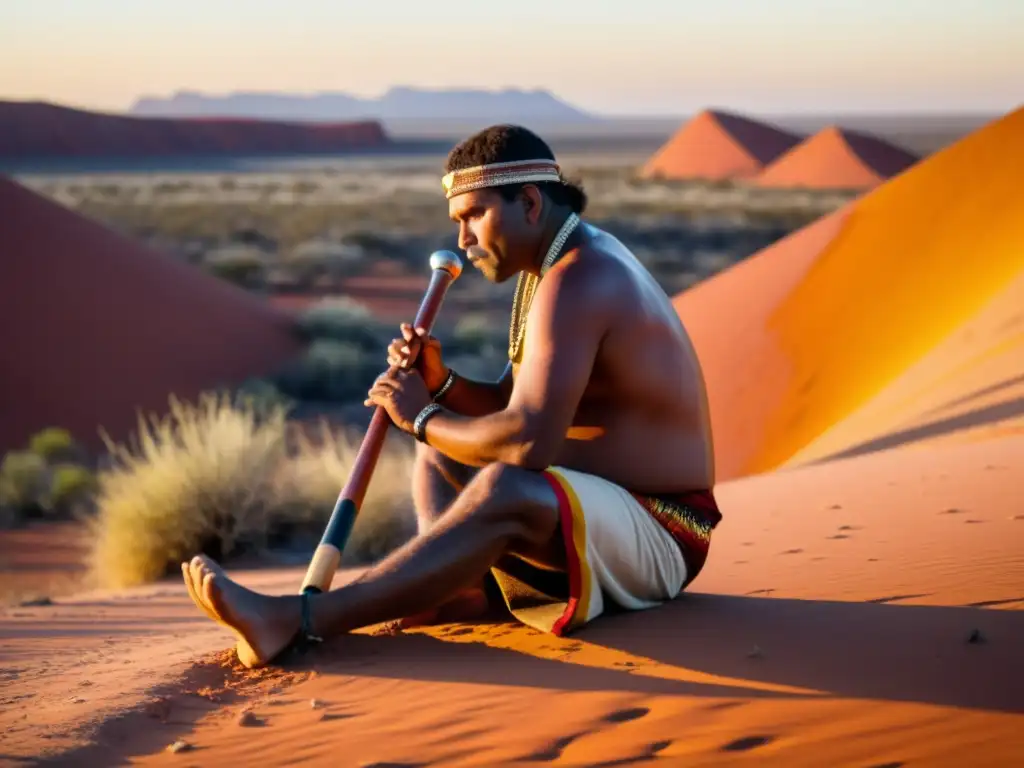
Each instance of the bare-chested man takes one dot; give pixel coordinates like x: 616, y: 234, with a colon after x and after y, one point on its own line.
x: 582, y: 478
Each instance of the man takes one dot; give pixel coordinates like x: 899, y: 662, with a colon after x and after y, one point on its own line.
x: 581, y: 480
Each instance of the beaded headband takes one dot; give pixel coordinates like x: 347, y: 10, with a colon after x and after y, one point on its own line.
x: 496, y: 174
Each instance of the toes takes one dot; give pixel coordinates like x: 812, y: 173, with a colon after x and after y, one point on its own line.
x: 211, y: 594
x: 186, y: 572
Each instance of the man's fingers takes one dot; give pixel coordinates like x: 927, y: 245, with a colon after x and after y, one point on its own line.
x: 407, y: 332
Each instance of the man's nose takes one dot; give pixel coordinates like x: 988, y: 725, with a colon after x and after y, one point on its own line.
x: 466, y: 239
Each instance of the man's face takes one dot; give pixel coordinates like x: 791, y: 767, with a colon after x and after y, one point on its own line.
x: 496, y: 235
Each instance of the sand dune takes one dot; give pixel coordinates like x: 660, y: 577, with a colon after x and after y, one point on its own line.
x: 837, y: 158
x: 861, y: 605
x: 97, y: 326
x: 799, y: 336
x: 718, y: 145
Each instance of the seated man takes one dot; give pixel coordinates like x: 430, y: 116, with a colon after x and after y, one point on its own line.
x: 584, y: 475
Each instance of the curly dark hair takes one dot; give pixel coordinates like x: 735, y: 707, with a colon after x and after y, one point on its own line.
x: 505, y: 143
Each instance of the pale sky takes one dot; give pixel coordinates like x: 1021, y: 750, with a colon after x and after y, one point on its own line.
x: 639, y: 57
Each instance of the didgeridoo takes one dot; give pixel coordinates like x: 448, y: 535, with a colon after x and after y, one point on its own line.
x: 446, y: 268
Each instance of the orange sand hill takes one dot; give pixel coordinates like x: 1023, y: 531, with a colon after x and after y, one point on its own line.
x: 96, y: 326
x: 796, y: 338
x: 38, y: 129
x: 837, y: 158
x: 861, y: 606
x: 718, y: 145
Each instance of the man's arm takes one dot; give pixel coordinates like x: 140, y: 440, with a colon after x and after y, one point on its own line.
x: 479, y: 398
x: 567, y: 322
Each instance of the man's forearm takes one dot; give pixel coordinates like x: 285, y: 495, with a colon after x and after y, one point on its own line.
x: 475, y: 398
x: 501, y: 436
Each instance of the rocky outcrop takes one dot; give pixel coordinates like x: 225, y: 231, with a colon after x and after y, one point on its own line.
x: 43, y: 130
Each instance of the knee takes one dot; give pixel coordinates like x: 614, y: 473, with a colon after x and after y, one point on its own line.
x: 516, y: 498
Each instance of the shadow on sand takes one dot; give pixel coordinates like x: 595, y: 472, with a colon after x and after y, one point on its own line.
x: 836, y: 649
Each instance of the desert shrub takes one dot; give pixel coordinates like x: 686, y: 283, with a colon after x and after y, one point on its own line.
x: 343, y: 319
x: 70, y: 484
x: 241, y: 265
x: 330, y: 370
x: 24, y: 483
x: 216, y: 477
x: 197, y: 480
x: 52, y: 443
x: 319, y: 470
x: 321, y: 256
x: 262, y: 396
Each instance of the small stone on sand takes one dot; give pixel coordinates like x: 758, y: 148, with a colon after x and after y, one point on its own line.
x: 179, y: 746
x: 755, y: 653
x: 247, y: 718
x: 975, y: 637
x: 315, y: 704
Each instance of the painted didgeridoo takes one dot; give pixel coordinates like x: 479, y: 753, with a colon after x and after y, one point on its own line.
x: 445, y: 269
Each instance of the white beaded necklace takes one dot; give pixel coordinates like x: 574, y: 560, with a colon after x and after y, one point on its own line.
x: 526, y: 286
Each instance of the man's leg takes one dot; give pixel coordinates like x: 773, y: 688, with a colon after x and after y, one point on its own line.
x: 436, y: 482
x: 503, y: 509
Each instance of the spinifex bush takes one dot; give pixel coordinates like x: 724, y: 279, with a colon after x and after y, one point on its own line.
x: 216, y: 477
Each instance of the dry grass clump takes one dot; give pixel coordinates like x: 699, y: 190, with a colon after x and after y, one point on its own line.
x: 219, y: 477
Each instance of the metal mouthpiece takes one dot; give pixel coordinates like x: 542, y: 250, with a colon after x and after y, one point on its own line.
x: 448, y: 261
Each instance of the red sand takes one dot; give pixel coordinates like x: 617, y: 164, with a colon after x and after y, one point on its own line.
x: 97, y: 326
x: 837, y: 158
x: 861, y: 605
x: 38, y: 129
x: 796, y: 338
x: 718, y: 145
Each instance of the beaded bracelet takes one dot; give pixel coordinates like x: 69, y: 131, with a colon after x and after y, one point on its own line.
x: 420, y: 422
x: 448, y: 382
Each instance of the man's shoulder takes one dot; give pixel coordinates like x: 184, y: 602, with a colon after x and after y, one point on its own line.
x: 593, y: 271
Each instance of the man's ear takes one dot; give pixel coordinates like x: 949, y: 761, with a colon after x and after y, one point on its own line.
x: 533, y: 204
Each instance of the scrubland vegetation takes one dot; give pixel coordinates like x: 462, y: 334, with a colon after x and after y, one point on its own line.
x: 259, y: 468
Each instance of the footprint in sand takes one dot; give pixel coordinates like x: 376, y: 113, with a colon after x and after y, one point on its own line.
x: 838, y: 536
x: 746, y: 743
x: 723, y: 705
x: 740, y: 562
x: 792, y: 552
x: 953, y: 511
x: 974, y: 521
x: 649, y: 753
x: 625, y: 715
x: 554, y: 750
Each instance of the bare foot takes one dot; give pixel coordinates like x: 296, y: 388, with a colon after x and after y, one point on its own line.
x: 264, y: 624
x: 468, y: 605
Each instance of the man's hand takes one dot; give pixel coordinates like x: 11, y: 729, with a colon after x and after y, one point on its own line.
x: 403, y: 394
x: 416, y: 349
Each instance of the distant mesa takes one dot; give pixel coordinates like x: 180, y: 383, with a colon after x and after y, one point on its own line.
x: 96, y: 326
x: 400, y: 103
x: 850, y: 335
x: 718, y: 145
x: 837, y: 158
x: 43, y: 130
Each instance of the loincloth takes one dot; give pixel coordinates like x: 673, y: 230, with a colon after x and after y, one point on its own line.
x: 629, y: 550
